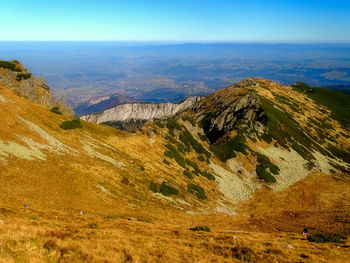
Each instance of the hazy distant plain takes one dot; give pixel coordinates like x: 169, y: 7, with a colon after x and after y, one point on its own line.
x: 156, y: 72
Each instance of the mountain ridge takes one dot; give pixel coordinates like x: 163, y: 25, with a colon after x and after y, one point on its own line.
x: 140, y: 111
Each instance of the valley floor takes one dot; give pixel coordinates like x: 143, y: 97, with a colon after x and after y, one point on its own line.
x: 265, y: 229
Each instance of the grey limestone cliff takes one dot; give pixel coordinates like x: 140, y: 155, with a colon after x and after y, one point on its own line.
x: 140, y: 111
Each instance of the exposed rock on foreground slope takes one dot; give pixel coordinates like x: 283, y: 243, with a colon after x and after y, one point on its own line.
x: 16, y: 77
x: 254, y: 163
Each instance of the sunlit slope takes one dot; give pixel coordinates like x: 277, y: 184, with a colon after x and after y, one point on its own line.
x: 254, y: 162
x: 52, y: 168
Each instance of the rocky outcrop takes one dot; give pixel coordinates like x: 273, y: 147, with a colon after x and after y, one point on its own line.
x: 140, y: 111
x: 16, y: 77
x: 244, y: 109
x: 223, y: 111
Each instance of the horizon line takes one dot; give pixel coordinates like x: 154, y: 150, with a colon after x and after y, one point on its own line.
x: 185, y: 42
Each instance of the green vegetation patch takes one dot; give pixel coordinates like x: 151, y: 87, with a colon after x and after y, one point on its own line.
x: 165, y: 161
x: 287, y: 101
x: 172, y: 125
x: 202, y: 137
x: 164, y: 189
x: 159, y: 124
x: 153, y: 187
x: 22, y: 76
x: 69, y: 125
x: 173, y: 153
x: 168, y: 190
x: 284, y: 129
x: 10, y: 66
x: 326, y: 238
x: 264, y: 174
x: 227, y: 150
x: 93, y: 225
x: 197, y: 190
x: 194, y: 166
x: 188, y: 140
x: 189, y: 119
x: 188, y: 174
x: 55, y: 110
x: 201, y: 158
x: 265, y: 168
x: 200, y: 228
x: 207, y: 175
x: 320, y: 123
x: 125, y: 181
x: 265, y: 162
x: 337, y: 102
x: 171, y: 139
x: 180, y: 147
x: 340, y: 153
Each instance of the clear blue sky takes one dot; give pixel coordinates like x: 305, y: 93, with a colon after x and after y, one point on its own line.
x: 177, y: 20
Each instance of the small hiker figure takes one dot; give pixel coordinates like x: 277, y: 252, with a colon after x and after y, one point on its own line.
x: 305, y: 231
x: 81, y: 213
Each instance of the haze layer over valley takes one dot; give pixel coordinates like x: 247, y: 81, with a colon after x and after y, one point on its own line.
x: 160, y: 72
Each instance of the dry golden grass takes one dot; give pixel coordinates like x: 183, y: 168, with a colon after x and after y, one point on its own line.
x: 264, y: 230
x: 129, y: 224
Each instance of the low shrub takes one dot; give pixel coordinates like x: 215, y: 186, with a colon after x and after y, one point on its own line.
x: 189, y: 119
x: 153, y: 187
x: 266, y: 163
x: 228, y: 149
x: 69, y: 125
x: 207, y: 175
x: 168, y: 190
x: 171, y: 139
x: 188, y: 174
x: 93, y: 225
x: 172, y: 125
x: 169, y: 154
x: 182, y: 148
x: 165, y: 161
x: 187, y: 139
x: 9, y: 65
x: 196, y: 189
x: 193, y: 165
x: 174, y: 154
x: 200, y: 228
x: 55, y: 110
x: 22, y: 76
x: 265, y: 175
x: 159, y: 124
x: 125, y: 181
x: 201, y: 158
x: 326, y: 238
x: 50, y: 245
x: 202, y: 137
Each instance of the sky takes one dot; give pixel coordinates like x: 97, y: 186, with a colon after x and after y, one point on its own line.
x: 293, y: 21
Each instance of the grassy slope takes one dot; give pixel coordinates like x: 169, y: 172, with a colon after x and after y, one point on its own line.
x: 337, y: 102
x: 145, y: 228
